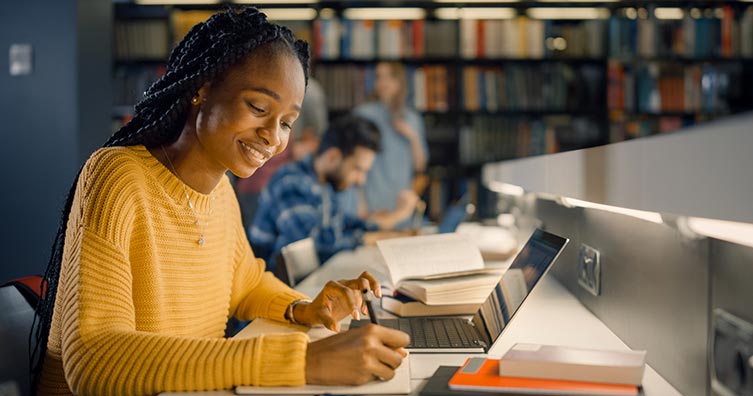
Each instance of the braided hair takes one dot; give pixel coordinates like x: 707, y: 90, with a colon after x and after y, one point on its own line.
x: 204, y: 55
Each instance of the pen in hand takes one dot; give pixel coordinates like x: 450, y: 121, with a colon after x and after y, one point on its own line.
x: 369, y: 306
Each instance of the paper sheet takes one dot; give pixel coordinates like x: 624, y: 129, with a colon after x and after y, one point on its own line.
x: 399, y: 384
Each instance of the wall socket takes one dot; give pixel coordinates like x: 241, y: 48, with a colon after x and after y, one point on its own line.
x: 732, y: 355
x: 589, y: 269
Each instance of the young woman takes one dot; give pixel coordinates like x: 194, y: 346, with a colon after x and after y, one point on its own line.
x: 404, y: 148
x: 151, y: 257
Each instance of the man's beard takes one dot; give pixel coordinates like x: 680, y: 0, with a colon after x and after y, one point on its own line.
x: 334, y: 179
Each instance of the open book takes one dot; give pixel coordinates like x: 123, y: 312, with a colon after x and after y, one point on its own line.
x: 438, y: 269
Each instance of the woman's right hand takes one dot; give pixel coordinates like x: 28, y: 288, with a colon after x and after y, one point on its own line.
x: 356, y: 356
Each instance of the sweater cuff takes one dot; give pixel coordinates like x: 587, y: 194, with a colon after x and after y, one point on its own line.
x: 281, y: 360
x: 279, y: 304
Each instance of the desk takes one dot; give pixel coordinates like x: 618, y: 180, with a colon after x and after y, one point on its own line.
x: 550, y: 315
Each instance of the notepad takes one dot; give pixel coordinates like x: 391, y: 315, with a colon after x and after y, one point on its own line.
x: 398, y: 385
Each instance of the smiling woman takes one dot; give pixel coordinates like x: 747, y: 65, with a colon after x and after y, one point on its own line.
x: 151, y: 257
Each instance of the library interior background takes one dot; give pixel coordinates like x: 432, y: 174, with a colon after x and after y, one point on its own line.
x: 492, y: 81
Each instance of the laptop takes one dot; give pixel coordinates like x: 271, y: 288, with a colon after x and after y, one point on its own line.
x: 437, y: 334
x: 456, y: 214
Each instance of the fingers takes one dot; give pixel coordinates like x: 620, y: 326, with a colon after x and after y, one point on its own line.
x: 348, y: 296
x: 373, y: 284
x: 393, y: 338
x: 382, y: 371
x: 330, y: 323
x: 386, y: 358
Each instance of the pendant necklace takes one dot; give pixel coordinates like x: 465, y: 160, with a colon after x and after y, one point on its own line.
x: 201, y: 240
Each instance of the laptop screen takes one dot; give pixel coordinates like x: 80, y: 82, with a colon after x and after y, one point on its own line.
x: 516, y: 284
x: 455, y: 215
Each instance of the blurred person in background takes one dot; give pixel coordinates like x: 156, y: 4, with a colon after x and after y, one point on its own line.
x: 300, y: 200
x: 404, y: 151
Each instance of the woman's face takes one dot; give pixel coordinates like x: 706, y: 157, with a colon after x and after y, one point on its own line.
x: 246, y: 117
x: 386, y: 86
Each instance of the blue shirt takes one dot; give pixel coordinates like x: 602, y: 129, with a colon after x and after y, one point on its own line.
x: 393, y: 167
x: 294, y: 206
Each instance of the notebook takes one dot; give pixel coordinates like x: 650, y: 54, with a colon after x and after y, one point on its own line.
x: 477, y: 335
x: 398, y: 385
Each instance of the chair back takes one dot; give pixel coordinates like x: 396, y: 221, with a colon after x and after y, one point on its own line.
x: 18, y: 300
x: 300, y: 259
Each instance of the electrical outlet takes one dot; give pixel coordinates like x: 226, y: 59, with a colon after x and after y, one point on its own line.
x: 732, y: 355
x: 589, y: 269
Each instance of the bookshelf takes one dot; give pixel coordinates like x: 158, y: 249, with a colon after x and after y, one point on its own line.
x: 509, y: 83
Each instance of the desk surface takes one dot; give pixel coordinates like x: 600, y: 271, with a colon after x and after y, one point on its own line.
x: 550, y: 315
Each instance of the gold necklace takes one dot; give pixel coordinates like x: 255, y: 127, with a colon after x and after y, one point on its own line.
x: 201, y: 240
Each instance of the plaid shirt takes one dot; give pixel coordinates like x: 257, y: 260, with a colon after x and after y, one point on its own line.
x: 293, y: 206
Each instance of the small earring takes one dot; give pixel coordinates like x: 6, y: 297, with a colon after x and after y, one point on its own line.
x: 195, y: 100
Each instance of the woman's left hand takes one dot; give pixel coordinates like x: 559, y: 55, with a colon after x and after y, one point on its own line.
x: 337, y: 300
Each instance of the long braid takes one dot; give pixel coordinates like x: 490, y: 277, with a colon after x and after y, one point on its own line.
x: 203, y: 55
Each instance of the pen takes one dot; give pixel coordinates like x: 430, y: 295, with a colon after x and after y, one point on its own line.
x: 369, y: 306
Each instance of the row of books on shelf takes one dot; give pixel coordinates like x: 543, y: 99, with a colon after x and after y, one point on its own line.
x: 520, y: 37
x: 540, y: 87
x: 528, y: 38
x: 336, y: 38
x: 431, y: 88
x: 548, y: 87
x: 657, y: 88
x: 141, y: 39
x: 496, y: 138
x: 710, y: 34
x: 713, y: 33
x: 640, y: 127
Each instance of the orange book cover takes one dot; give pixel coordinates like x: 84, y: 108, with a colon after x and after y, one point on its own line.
x: 481, y: 374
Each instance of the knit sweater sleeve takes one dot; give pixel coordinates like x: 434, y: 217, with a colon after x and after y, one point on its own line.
x: 256, y: 292
x: 104, y: 353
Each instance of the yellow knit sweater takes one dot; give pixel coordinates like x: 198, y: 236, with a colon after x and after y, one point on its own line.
x: 141, y: 307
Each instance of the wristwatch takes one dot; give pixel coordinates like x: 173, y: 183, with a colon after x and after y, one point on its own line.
x: 289, y: 311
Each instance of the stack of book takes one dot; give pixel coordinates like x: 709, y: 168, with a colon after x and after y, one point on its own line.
x: 533, y: 369
x: 442, y: 274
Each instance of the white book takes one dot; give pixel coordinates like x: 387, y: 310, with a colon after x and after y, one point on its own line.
x: 448, y: 267
x: 510, y: 38
x: 573, y: 364
x: 535, y: 38
x: 419, y: 89
x: 746, y: 34
x: 404, y: 306
x: 468, y: 38
x: 470, y: 289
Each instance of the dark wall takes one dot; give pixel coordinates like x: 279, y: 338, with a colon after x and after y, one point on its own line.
x: 48, y: 118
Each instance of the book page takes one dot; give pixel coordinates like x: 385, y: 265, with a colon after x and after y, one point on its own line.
x: 419, y: 256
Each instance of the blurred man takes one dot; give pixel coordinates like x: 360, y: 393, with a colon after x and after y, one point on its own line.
x: 300, y: 199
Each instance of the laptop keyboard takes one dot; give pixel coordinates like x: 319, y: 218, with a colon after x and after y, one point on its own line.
x: 439, y: 333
